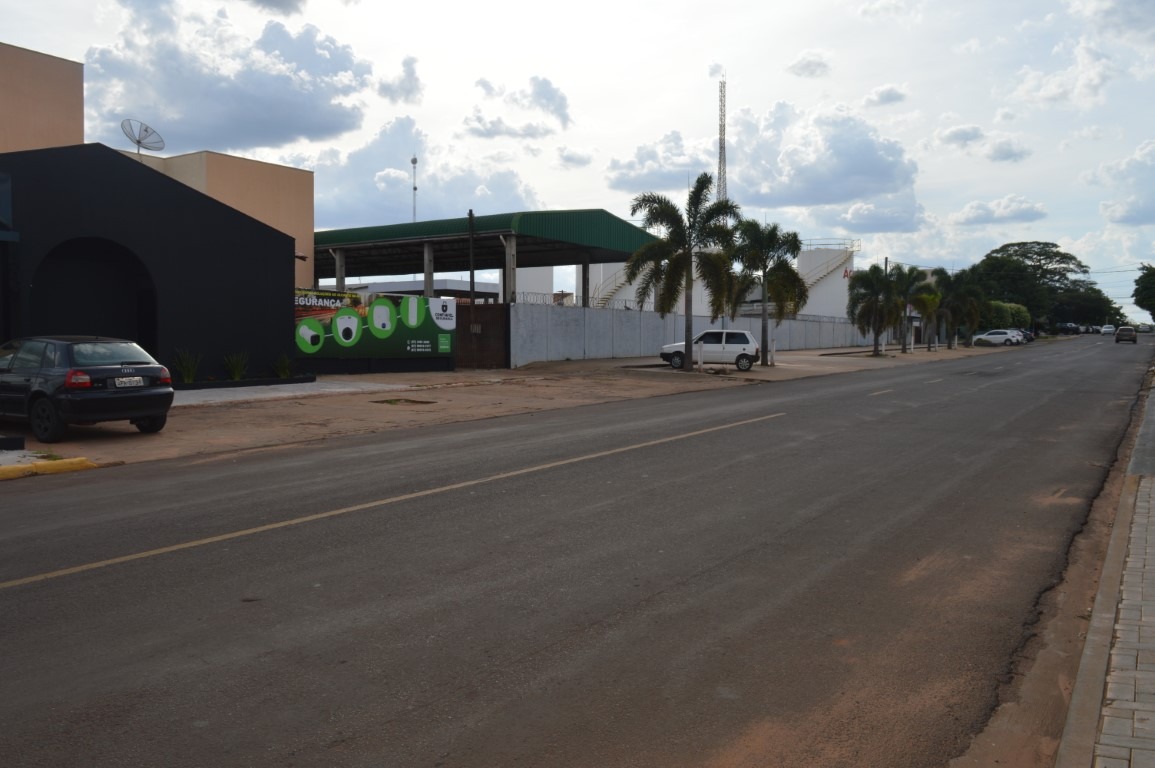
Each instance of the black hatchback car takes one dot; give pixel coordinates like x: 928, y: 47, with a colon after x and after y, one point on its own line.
x: 54, y: 381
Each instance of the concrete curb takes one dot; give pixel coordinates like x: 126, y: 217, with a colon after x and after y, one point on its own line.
x: 1077, y: 744
x: 14, y: 471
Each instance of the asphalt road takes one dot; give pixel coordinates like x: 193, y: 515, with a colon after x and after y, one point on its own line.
x: 833, y: 571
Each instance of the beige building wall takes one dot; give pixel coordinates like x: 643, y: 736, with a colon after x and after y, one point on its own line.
x: 41, y: 100
x: 277, y: 195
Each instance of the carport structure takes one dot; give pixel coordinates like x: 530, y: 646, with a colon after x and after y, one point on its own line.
x: 500, y: 241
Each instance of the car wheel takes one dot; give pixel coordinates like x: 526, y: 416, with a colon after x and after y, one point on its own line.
x: 744, y: 362
x: 150, y: 424
x: 1006, y: 342
x: 45, y: 421
x: 677, y: 360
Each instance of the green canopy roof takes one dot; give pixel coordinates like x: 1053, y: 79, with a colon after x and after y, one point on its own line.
x: 544, y: 239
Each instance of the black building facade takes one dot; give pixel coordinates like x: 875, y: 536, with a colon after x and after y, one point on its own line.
x: 92, y: 241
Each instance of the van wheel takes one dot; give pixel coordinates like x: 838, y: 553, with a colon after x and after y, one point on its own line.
x: 45, y: 421
x: 744, y: 362
x: 677, y: 360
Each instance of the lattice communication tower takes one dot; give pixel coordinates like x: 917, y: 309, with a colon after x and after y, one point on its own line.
x: 721, y: 186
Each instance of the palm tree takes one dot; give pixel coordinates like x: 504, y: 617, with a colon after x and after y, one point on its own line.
x: 908, y: 281
x: 926, y: 303
x: 766, y: 254
x: 962, y: 300
x: 872, y: 305
x: 666, y: 267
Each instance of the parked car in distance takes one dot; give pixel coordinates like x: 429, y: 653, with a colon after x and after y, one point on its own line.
x: 736, y: 348
x: 1028, y: 336
x: 1000, y: 337
x: 1126, y: 333
x: 51, y: 382
x: 1143, y: 328
x: 1066, y: 329
x: 1107, y: 330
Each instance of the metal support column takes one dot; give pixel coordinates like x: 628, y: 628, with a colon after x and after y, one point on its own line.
x: 429, y: 270
x: 509, y: 281
x: 338, y: 267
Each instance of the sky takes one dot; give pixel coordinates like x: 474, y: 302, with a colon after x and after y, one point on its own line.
x: 929, y: 132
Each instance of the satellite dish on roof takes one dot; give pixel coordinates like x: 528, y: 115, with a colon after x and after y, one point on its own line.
x: 141, y: 135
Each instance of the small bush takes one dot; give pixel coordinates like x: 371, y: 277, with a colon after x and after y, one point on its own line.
x: 283, y: 366
x: 236, y: 363
x: 186, y: 365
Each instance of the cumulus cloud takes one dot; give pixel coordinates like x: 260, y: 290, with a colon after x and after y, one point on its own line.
x: 891, y: 9
x: 822, y: 158
x: 571, y: 158
x: 546, y: 97
x: 668, y: 164
x: 541, y: 96
x: 229, y: 92
x: 284, y: 7
x: 483, y: 128
x: 884, y: 95
x: 1081, y: 85
x: 1134, y: 176
x: 885, y: 213
x: 1132, y: 20
x: 996, y: 148
x: 373, y: 184
x: 1012, y: 208
x: 1005, y: 150
x: 810, y: 64
x: 406, y: 88
x: 960, y: 135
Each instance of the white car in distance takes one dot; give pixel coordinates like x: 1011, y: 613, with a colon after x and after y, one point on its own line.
x: 729, y: 347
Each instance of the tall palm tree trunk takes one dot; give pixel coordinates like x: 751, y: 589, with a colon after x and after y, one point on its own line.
x: 767, y: 350
x: 689, y: 309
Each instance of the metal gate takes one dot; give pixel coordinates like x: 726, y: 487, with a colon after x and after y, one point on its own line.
x: 482, y: 336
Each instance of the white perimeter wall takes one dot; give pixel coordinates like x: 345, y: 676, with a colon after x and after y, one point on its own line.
x: 543, y: 332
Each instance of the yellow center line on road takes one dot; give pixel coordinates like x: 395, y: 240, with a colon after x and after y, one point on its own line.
x: 369, y: 505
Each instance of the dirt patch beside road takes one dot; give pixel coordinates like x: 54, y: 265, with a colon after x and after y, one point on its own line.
x: 425, y: 399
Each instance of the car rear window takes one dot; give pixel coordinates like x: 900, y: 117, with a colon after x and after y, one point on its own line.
x: 109, y: 353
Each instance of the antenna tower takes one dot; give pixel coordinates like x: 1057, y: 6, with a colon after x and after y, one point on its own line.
x: 414, y: 161
x: 721, y: 186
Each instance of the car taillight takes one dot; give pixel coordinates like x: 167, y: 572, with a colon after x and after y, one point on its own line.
x: 75, y: 379
x: 165, y: 377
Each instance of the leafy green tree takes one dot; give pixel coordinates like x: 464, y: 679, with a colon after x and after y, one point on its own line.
x: 1144, y: 293
x: 1084, y: 303
x: 1033, y: 274
x: 766, y: 254
x: 962, y: 300
x: 872, y: 304
x: 667, y: 266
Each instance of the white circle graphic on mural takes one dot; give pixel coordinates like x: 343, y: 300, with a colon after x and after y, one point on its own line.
x: 413, y: 311
x: 444, y: 313
x: 382, y: 317
x: 346, y: 326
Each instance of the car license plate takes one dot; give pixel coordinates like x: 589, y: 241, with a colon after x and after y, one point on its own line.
x: 130, y: 381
